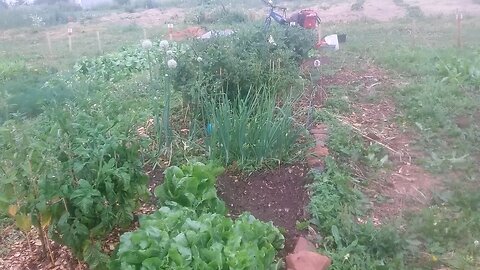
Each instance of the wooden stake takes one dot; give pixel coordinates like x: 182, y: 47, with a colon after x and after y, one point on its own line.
x: 70, y: 43
x: 459, y: 18
x: 144, y: 33
x: 170, y: 30
x: 70, y: 32
x: 99, y: 42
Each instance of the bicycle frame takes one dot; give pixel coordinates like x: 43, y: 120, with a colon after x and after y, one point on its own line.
x: 277, y: 17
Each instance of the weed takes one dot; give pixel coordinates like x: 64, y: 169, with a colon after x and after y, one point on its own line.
x: 302, y: 225
x: 460, y: 71
x: 334, y: 205
x: 449, y: 229
x: 338, y: 100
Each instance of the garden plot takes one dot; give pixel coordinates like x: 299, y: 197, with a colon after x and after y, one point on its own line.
x: 160, y: 149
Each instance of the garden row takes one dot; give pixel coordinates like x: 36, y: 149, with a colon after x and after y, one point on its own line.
x: 74, y: 169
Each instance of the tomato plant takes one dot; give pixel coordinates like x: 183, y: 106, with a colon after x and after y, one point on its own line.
x: 75, y: 173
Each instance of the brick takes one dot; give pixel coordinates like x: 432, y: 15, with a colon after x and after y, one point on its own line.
x: 321, y: 151
x: 307, y: 260
x: 303, y: 245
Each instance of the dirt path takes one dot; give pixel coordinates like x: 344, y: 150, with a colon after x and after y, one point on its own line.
x: 403, y: 185
x: 386, y: 10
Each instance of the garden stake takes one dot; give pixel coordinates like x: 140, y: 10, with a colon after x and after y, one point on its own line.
x: 170, y: 31
x: 459, y: 18
x: 310, y: 105
x: 70, y: 31
x: 99, y: 43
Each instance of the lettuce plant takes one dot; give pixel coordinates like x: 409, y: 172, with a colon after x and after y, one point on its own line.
x: 178, y: 238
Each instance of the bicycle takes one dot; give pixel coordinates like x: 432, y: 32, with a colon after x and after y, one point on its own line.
x: 305, y: 18
x: 274, y: 15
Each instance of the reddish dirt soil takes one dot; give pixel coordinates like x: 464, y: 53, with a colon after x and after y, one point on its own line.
x: 277, y: 195
x: 21, y: 257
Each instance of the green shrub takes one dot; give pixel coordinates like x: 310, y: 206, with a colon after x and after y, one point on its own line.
x: 28, y: 92
x: 242, y: 61
x: 75, y: 173
x: 192, y: 186
x: 114, y: 66
x: 179, y: 238
x: 229, y: 65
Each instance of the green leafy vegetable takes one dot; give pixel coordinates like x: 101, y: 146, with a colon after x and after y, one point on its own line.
x: 179, y: 238
x: 192, y: 186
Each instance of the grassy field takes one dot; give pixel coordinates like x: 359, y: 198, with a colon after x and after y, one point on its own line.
x: 440, y: 109
x: 431, y: 88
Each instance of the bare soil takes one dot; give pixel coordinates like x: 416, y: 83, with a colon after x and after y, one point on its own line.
x: 386, y: 10
x: 147, y: 18
x: 277, y: 195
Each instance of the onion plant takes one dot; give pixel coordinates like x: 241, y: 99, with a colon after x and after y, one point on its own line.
x: 250, y: 131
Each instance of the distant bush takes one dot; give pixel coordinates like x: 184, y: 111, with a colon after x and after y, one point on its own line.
x: 27, y: 93
x: 74, y: 173
x: 38, y: 15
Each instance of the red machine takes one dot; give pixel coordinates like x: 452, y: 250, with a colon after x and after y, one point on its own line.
x: 308, y: 19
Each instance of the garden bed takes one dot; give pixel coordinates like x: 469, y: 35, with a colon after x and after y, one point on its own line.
x: 278, y: 195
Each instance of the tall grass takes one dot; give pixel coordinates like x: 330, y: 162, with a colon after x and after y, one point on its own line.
x: 252, y: 131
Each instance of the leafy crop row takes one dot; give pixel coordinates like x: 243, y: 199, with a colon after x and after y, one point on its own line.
x: 191, y: 231
x: 251, y: 131
x: 75, y: 171
x: 179, y: 238
x: 224, y: 64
